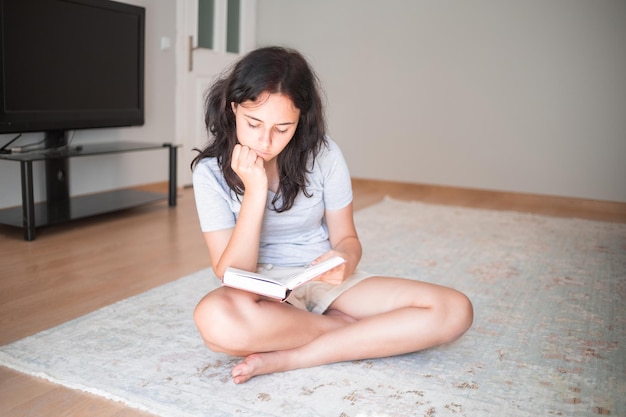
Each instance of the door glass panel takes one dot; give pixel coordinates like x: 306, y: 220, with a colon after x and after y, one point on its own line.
x: 232, y: 26
x: 206, y: 19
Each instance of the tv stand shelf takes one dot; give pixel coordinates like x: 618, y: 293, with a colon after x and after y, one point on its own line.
x: 59, y: 210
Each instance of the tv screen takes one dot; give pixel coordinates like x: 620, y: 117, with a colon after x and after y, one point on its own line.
x: 70, y: 64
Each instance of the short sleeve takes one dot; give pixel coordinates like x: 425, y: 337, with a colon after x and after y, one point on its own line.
x: 216, y: 205
x: 337, y: 184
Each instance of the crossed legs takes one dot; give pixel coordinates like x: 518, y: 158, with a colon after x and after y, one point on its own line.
x: 378, y: 317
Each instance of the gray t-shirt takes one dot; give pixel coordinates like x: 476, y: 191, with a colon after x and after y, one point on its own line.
x: 294, y: 237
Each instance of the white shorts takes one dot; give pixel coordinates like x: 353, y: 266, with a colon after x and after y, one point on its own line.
x: 314, y: 296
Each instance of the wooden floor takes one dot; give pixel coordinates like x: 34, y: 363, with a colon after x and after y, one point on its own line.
x: 73, y: 269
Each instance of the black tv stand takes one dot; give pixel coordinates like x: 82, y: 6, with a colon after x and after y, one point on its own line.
x: 57, y: 174
x: 59, y: 207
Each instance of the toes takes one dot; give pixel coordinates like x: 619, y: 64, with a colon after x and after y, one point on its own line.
x: 246, y: 369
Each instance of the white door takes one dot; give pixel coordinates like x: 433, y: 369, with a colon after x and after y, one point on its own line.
x: 205, y: 47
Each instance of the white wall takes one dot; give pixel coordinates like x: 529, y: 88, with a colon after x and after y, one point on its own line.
x: 524, y: 96
x: 99, y: 173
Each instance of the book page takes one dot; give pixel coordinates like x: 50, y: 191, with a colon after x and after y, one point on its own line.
x: 277, y: 287
x: 254, y: 282
x: 260, y: 277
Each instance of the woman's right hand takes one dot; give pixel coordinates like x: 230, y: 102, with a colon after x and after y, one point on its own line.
x: 239, y: 246
x: 249, y: 167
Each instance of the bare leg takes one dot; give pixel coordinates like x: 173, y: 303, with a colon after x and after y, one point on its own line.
x: 394, y: 316
x: 240, y: 323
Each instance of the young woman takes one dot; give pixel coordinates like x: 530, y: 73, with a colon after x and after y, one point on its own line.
x: 273, y: 194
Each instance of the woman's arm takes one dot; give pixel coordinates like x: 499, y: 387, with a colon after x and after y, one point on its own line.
x: 344, y: 242
x: 239, y: 246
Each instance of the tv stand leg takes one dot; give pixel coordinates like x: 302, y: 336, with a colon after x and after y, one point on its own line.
x: 172, y: 176
x: 28, y: 201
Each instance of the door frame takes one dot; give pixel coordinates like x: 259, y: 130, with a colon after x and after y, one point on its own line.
x: 189, y: 127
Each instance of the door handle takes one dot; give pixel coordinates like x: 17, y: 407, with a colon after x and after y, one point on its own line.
x: 190, y: 51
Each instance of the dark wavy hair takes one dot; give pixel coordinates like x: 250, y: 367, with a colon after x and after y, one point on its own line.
x: 267, y: 70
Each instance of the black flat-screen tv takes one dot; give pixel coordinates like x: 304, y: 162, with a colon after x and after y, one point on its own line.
x: 70, y: 64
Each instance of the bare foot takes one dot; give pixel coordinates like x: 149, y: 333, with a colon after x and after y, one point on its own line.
x: 278, y: 361
x: 255, y: 364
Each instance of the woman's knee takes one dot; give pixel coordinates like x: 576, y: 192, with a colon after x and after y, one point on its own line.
x: 460, y: 315
x: 221, y: 320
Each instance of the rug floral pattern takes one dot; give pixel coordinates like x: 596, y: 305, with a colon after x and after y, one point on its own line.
x: 548, y: 338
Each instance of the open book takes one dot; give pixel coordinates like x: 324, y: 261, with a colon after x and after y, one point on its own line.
x: 276, y: 287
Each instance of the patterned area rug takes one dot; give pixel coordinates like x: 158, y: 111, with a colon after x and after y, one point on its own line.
x: 548, y: 338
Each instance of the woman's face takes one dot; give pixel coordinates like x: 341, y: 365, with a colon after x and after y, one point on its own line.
x: 266, y: 125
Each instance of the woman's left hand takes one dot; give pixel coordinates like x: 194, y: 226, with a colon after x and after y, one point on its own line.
x: 344, y: 242
x: 336, y: 275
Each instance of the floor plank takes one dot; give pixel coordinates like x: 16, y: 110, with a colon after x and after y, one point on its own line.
x: 18, y: 390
